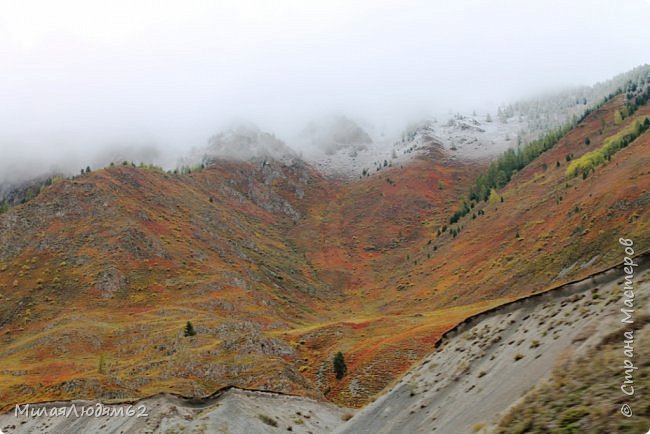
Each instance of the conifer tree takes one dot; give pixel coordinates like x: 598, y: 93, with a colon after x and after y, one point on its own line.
x: 189, y: 329
x: 340, y: 368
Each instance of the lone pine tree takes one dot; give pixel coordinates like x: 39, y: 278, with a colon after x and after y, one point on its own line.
x: 339, y: 365
x: 189, y: 329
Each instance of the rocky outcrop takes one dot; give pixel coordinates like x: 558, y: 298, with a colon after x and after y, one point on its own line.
x: 109, y: 281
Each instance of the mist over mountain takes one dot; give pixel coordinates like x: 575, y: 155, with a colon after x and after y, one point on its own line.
x: 325, y: 216
x: 246, y: 141
x: 335, y: 133
x: 82, y: 84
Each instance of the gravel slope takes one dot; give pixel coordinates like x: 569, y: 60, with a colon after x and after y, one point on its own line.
x: 234, y: 411
x: 492, y: 360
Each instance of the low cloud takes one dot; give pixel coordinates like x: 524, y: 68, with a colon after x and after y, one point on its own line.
x: 84, y: 83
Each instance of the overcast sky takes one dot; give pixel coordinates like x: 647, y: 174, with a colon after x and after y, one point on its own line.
x: 79, y: 76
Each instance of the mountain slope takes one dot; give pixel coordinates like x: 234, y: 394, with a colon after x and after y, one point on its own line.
x: 471, y: 383
x: 485, y: 365
x: 279, y: 267
x: 233, y: 411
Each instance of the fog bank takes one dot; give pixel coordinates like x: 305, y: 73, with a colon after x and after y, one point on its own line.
x: 81, y: 82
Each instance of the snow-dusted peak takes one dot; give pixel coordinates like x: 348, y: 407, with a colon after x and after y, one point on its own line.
x: 247, y: 142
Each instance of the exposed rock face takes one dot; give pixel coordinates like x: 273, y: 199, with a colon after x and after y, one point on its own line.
x: 246, y: 338
x: 109, y: 281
